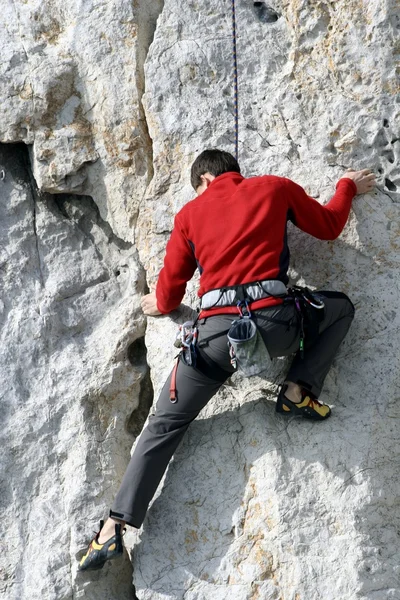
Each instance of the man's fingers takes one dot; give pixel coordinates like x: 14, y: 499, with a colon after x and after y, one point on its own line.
x: 145, y: 301
x: 364, y: 179
x: 362, y: 172
x: 149, y: 304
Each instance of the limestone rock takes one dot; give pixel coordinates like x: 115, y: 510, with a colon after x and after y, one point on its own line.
x: 72, y: 81
x: 104, y: 105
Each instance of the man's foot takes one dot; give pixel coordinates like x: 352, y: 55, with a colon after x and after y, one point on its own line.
x: 97, y: 554
x: 309, y: 407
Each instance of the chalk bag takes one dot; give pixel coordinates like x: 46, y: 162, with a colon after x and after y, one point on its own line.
x: 246, y: 347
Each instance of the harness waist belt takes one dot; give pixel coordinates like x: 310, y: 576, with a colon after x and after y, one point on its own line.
x: 252, y: 291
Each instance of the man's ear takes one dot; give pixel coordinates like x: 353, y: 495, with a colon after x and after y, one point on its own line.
x: 207, y: 178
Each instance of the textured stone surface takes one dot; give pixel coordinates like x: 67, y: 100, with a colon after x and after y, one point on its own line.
x: 251, y: 507
x: 69, y: 324
x: 72, y: 76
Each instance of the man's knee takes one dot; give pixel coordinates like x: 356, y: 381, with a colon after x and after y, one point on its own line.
x: 347, y: 307
x: 167, y: 423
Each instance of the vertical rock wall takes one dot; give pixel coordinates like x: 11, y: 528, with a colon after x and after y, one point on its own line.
x: 91, y: 174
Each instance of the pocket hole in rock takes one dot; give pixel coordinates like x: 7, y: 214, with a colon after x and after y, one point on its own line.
x: 392, y: 187
x: 265, y: 13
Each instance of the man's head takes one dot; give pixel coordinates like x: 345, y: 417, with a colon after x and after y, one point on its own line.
x: 208, y: 165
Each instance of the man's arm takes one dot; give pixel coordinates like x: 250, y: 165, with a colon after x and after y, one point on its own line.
x: 326, y: 222
x: 178, y: 269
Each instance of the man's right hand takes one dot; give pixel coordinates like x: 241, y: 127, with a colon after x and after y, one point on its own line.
x: 149, y: 304
x: 365, y: 180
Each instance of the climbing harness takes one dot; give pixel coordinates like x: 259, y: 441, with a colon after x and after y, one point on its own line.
x: 309, y: 309
x: 247, y: 350
x: 235, y: 80
x: 255, y: 290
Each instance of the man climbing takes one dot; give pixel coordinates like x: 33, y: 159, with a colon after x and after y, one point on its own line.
x: 234, y: 232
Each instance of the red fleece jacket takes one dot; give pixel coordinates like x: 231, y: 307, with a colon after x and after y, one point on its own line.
x: 235, y: 232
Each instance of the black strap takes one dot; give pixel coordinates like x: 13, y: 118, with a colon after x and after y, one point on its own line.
x: 272, y: 319
x: 211, y: 337
x: 210, y: 368
x: 241, y: 296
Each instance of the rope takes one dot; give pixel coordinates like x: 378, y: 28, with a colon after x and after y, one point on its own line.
x: 235, y: 81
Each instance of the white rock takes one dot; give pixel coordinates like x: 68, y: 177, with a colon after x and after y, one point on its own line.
x: 251, y: 507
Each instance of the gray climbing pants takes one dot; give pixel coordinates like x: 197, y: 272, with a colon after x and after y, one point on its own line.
x: 166, y: 428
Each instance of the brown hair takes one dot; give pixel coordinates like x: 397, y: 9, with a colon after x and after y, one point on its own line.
x: 214, y: 162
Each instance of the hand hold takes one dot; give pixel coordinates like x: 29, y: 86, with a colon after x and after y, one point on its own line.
x: 265, y: 13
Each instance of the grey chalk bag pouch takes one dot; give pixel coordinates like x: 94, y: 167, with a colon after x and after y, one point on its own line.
x: 246, y: 347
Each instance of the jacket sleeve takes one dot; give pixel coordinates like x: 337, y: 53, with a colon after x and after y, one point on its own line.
x: 178, y: 269
x: 324, y: 222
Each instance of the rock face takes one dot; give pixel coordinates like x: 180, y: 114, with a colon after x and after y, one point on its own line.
x: 104, y: 105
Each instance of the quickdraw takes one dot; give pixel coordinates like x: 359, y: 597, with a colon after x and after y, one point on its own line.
x: 186, y: 339
x: 303, y: 297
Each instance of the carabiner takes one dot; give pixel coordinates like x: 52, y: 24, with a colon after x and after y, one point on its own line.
x: 318, y: 306
x: 246, y: 308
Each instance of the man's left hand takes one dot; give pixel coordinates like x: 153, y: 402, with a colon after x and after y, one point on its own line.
x: 149, y: 305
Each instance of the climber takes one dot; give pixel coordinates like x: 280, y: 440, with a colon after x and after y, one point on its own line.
x: 234, y: 232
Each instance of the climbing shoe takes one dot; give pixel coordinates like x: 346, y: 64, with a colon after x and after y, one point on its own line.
x: 309, y: 407
x: 97, y: 554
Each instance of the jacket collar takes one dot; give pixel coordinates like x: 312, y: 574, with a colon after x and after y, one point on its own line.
x: 226, y: 183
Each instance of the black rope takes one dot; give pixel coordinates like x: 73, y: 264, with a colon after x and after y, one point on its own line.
x: 235, y: 81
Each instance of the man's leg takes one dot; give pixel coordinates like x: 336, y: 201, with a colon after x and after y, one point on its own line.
x: 281, y: 333
x: 310, y: 371
x: 158, y: 442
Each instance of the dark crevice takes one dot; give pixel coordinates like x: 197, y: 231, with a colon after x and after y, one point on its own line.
x: 84, y: 215
x: 147, y: 16
x: 16, y: 161
x: 137, y: 419
x: 389, y: 155
x: 137, y: 352
x: 36, y: 195
x: 392, y: 187
x: 81, y: 211
x: 137, y: 356
x: 84, y: 212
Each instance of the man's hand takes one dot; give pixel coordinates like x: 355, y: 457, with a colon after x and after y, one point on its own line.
x: 364, y: 180
x: 149, y: 304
